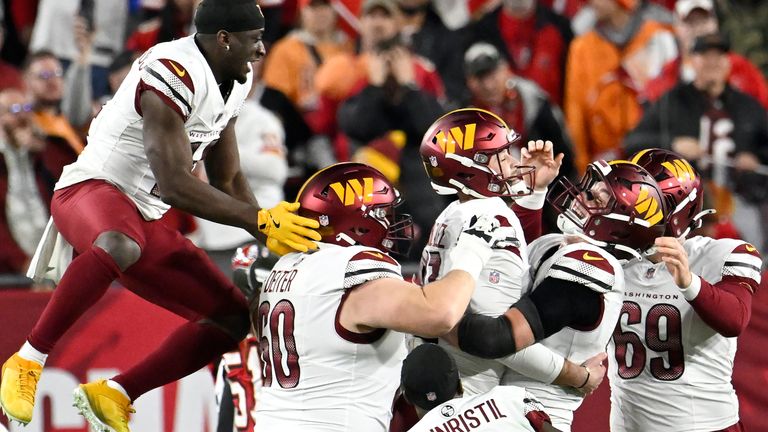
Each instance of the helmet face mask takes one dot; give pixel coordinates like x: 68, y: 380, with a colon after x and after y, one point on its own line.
x: 469, y: 150
x: 356, y: 205
x: 616, y: 205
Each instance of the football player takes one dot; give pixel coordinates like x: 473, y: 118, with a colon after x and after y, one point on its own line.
x: 614, y: 213
x: 430, y: 380
x: 329, y: 322
x: 473, y: 154
x: 684, y: 307
x: 177, y: 106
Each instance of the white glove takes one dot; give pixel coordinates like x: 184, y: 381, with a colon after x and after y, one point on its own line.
x: 477, y: 242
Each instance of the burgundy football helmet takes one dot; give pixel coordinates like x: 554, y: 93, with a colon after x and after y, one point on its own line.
x: 456, y: 151
x: 616, y: 205
x: 682, y: 188
x: 355, y: 205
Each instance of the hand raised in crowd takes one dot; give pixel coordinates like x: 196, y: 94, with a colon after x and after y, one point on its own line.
x: 401, y: 65
x: 676, y: 259
x: 378, y: 68
x: 540, y: 155
x: 687, y: 147
x: 746, y: 161
x: 83, y: 39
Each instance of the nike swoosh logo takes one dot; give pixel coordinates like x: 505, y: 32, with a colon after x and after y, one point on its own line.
x: 179, y: 72
x: 750, y: 248
x: 377, y: 255
x: 588, y: 257
x: 274, y: 222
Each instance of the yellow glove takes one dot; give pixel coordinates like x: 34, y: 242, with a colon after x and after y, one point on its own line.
x: 278, y: 248
x: 281, y: 224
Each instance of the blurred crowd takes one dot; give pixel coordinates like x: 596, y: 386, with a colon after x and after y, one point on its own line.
x: 363, y: 79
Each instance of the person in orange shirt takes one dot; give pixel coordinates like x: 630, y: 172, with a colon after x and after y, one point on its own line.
x: 43, y: 75
x: 292, y: 62
x: 606, y: 68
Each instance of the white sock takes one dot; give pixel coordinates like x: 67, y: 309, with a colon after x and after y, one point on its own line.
x: 115, y: 385
x: 28, y: 352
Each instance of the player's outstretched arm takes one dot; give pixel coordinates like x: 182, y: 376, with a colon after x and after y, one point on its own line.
x: 555, y: 304
x: 436, y: 308
x: 169, y: 153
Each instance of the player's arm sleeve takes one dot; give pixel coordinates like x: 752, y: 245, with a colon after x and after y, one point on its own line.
x: 726, y: 305
x: 537, y: 362
x: 529, y: 211
x: 553, y: 305
x: 370, y: 265
x: 171, y: 81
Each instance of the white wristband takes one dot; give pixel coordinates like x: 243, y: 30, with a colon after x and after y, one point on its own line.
x: 534, y: 201
x: 691, y: 291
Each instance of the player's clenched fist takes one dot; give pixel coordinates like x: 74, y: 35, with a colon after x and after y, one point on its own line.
x: 282, y: 225
x: 475, y: 246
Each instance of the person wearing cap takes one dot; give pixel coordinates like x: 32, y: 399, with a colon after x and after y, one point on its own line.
x: 719, y: 129
x: 430, y: 381
x: 178, y: 104
x: 519, y: 101
x: 532, y: 38
x: 605, y: 68
x: 695, y: 18
x: 294, y: 59
x: 384, y: 92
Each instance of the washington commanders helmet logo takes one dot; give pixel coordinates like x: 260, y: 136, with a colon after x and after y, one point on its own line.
x: 465, y: 140
x: 354, y: 190
x: 681, y: 169
x: 648, y: 207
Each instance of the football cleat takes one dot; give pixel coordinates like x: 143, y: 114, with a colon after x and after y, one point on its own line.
x: 106, y: 409
x: 18, y: 388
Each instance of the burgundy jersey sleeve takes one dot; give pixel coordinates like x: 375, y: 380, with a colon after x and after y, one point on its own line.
x: 170, y: 81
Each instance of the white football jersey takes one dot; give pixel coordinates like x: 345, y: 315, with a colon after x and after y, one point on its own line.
x: 499, y: 286
x: 503, y: 409
x: 318, y: 376
x: 596, y: 269
x: 670, y: 371
x: 178, y: 73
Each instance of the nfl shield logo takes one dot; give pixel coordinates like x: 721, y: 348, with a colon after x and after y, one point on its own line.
x: 650, y: 272
x: 494, y: 277
x: 433, y: 161
x: 324, y: 220
x: 431, y: 396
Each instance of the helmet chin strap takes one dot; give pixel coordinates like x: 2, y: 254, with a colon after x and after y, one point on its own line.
x: 345, y: 238
x: 568, y: 227
x: 696, y: 222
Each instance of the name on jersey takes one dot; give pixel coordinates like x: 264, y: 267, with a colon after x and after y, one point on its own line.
x: 471, y: 419
x: 205, y: 137
x: 279, y: 281
x: 653, y: 296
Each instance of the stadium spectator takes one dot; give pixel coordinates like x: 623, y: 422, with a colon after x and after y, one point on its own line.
x: 294, y: 59
x: 173, y: 22
x: 518, y: 101
x: 425, y: 34
x: 606, y: 68
x: 743, y: 21
x: 430, y: 380
x: 25, y: 184
x: 718, y: 128
x: 533, y: 38
x: 694, y: 18
x: 54, y: 31
x: 43, y: 75
x: 9, y: 74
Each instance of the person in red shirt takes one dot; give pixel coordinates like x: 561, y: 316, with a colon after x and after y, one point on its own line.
x: 694, y: 18
x: 533, y: 38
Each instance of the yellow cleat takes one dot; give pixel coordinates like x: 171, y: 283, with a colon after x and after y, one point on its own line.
x: 106, y: 409
x: 18, y: 387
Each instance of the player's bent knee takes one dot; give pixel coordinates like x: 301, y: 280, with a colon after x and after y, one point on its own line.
x: 236, y: 325
x: 123, y: 249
